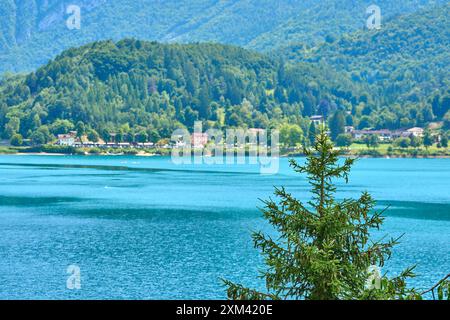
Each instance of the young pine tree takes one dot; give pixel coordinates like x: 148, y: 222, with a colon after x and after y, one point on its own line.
x: 323, y: 249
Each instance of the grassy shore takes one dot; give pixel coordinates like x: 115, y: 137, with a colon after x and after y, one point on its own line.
x: 359, y: 150
x: 387, y: 150
x: 58, y: 150
x: 7, y: 150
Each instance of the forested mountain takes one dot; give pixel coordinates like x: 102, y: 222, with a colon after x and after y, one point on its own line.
x: 149, y: 89
x: 327, y: 20
x: 393, y: 78
x: 34, y: 31
x: 404, y: 65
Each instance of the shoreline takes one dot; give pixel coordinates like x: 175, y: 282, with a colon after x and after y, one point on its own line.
x: 82, y: 155
x: 355, y: 151
x: 404, y: 156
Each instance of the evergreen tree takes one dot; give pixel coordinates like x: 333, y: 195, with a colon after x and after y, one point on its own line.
x: 444, y: 140
x: 344, y: 140
x: 312, y: 133
x: 337, y: 124
x: 16, y: 140
x: 80, y: 128
x: 204, y: 103
x: 371, y: 141
x: 447, y: 121
x: 308, y: 107
x: 427, y: 139
x: 323, y: 249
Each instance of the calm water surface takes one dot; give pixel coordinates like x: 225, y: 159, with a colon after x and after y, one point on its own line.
x: 143, y: 228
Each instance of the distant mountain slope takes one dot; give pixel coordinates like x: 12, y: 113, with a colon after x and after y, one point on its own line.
x: 406, y: 62
x: 33, y: 31
x: 331, y: 19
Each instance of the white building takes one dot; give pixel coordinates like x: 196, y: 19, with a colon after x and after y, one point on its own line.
x: 66, y: 140
x: 317, y: 120
x: 416, y: 132
x: 349, y: 129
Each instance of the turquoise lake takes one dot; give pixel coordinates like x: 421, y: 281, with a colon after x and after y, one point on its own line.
x: 144, y: 228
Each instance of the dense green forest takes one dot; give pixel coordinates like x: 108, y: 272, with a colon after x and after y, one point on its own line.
x: 146, y: 89
x: 392, y: 78
x: 328, y: 20
x: 404, y: 68
x: 34, y: 31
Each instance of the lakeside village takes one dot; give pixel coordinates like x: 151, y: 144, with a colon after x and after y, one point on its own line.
x: 200, y: 140
x: 381, y: 142
x: 408, y: 142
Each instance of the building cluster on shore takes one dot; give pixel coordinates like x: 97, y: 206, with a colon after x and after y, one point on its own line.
x: 72, y: 140
x: 381, y: 134
x: 197, y: 140
x: 385, y: 134
x: 200, y: 140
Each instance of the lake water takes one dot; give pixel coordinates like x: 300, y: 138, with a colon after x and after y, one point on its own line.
x: 144, y: 228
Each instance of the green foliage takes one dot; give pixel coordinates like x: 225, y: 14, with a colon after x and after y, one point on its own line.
x: 61, y: 127
x: 12, y: 127
x: 370, y: 153
x: 444, y: 140
x: 344, y: 140
x: 291, y: 135
x: 52, y: 149
x: 323, y: 249
x: 93, y: 136
x: 139, y: 89
x: 16, y: 140
x: 415, y: 141
x: 337, y: 124
x: 402, y: 142
x: 428, y: 140
x: 312, y: 133
x: 41, y: 136
x: 371, y: 141
x: 441, y: 290
x: 6, y: 150
x: 401, y: 70
x: 326, y: 21
x: 447, y: 120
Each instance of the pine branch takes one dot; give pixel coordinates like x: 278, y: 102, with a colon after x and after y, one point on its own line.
x: 436, y: 285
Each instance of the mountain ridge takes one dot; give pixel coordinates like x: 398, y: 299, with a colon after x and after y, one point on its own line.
x: 253, y: 24
x: 407, y: 59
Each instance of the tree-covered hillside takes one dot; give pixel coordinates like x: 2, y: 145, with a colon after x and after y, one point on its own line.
x: 392, y: 78
x: 147, y: 89
x: 404, y: 67
x: 327, y: 20
x: 34, y: 31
